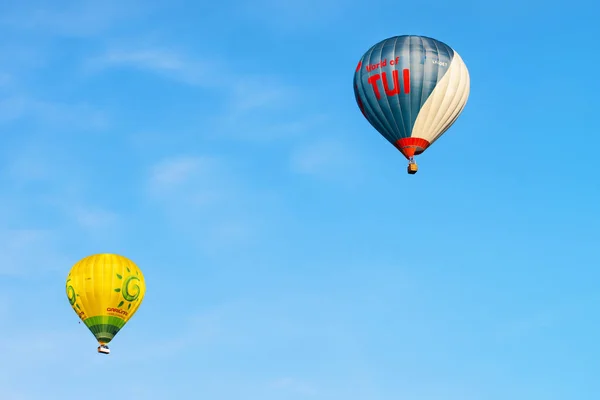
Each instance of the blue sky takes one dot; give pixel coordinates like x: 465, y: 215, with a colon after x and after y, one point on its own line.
x: 287, y: 253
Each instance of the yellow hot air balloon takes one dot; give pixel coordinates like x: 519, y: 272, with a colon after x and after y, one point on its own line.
x: 105, y: 290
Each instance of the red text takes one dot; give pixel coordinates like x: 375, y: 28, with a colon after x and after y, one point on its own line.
x: 395, y: 87
x: 116, y: 310
x: 380, y: 64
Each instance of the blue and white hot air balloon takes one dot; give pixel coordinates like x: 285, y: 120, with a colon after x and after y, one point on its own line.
x: 411, y: 89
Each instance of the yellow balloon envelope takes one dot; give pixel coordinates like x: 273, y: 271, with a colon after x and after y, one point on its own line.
x: 105, y: 290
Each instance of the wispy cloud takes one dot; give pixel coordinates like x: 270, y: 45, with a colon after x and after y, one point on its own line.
x: 5, y: 305
x: 81, y: 18
x: 527, y: 325
x: 5, y: 79
x: 65, y: 115
x: 44, y: 205
x: 200, y: 180
x: 25, y: 251
x: 246, y: 91
x: 178, y: 170
x: 28, y: 165
x: 290, y: 15
x: 327, y: 159
x: 250, y: 325
x: 166, y: 63
x: 94, y: 218
x: 294, y: 385
x: 206, y: 194
x: 261, y: 92
x: 252, y: 105
x: 197, y: 331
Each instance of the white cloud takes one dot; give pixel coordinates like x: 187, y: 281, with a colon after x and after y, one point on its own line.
x: 73, y: 116
x: 80, y: 18
x: 191, y: 178
x: 246, y: 91
x: 207, y: 196
x: 152, y: 59
x: 94, y: 218
x: 29, y: 352
x: 291, y: 15
x: 5, y: 305
x: 179, y: 170
x: 12, y: 108
x: 294, y: 385
x: 326, y: 158
x: 167, y: 63
x: 259, y: 92
x: 247, y: 324
x: 13, y: 394
x: 42, y: 224
x: 201, y: 330
x: 253, y: 105
x: 198, y: 181
x: 23, y: 251
x: 528, y: 325
x: 5, y: 79
x: 31, y: 164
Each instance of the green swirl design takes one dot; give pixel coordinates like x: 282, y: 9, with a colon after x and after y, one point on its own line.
x: 71, y: 294
x: 135, y: 293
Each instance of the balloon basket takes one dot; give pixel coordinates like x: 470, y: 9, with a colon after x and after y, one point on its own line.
x: 412, y: 168
x: 103, y: 349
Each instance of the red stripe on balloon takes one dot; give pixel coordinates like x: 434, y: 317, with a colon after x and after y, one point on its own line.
x: 412, y: 146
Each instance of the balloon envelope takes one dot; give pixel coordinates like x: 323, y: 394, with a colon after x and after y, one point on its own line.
x: 105, y: 290
x: 411, y: 89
